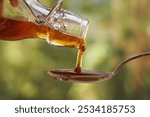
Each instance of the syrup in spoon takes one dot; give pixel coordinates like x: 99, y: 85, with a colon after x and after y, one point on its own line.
x: 90, y: 76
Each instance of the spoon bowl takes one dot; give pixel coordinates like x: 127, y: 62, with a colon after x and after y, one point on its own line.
x: 83, y: 77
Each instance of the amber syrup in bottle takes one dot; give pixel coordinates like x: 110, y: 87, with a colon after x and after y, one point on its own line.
x: 17, y: 30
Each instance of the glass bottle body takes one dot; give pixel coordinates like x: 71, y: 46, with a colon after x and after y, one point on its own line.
x: 15, y: 30
x: 63, y: 28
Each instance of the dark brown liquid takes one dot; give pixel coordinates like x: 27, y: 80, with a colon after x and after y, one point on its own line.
x: 16, y: 30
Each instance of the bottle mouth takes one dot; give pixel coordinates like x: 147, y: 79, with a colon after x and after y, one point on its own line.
x: 85, y: 26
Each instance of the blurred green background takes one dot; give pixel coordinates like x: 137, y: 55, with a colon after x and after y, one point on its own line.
x: 118, y: 29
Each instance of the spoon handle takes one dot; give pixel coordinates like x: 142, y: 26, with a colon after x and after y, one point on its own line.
x: 130, y: 59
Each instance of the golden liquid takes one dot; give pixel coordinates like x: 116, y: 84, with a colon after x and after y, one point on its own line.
x: 17, y: 30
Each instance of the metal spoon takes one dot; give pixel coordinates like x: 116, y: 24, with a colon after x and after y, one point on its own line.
x: 90, y: 76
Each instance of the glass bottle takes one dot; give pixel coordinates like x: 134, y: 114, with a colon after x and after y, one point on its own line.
x: 58, y: 26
